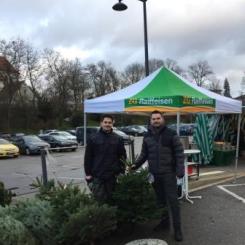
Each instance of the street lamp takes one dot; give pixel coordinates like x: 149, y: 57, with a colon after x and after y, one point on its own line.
x: 120, y: 7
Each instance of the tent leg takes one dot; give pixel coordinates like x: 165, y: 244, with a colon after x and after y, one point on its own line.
x: 178, y: 122
x: 84, y: 128
x: 237, y: 146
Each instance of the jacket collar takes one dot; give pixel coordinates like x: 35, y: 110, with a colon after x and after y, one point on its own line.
x: 154, y: 130
x: 104, y: 132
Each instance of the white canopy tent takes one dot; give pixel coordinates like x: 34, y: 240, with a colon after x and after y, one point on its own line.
x: 166, y: 91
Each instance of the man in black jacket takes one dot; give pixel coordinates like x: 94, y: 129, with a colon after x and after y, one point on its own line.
x: 103, y: 161
x: 165, y: 154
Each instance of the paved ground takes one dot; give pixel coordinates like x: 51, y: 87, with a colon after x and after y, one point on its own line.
x: 19, y: 173
x: 218, y: 218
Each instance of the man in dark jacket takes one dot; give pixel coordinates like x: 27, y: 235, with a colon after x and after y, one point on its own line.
x: 103, y: 161
x: 165, y: 154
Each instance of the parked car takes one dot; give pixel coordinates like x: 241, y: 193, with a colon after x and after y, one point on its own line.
x: 64, y: 134
x: 30, y: 144
x: 185, y: 129
x: 71, y: 131
x: 89, y: 132
x: 126, y: 138
x: 135, y: 130
x: 93, y: 130
x: 15, y: 136
x: 60, y: 142
x: 5, y: 136
x: 7, y: 149
x: 46, y: 131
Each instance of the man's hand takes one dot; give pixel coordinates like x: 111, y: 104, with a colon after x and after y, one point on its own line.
x: 130, y: 168
x: 88, y: 178
x: 180, y: 176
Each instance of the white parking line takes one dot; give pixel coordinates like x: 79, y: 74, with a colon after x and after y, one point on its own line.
x: 61, y: 177
x: 211, y: 173
x: 222, y: 187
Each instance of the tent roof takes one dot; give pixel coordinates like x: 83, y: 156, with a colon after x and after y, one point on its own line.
x: 166, y: 91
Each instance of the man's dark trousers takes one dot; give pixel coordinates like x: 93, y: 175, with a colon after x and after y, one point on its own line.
x: 166, y: 191
x: 102, y: 189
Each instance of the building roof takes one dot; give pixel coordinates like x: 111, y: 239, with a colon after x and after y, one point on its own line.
x: 6, y: 66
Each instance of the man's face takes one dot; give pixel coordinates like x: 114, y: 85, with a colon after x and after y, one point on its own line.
x: 106, y: 124
x: 157, y: 120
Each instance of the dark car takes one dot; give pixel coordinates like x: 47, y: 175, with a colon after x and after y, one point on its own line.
x: 92, y: 130
x: 30, y: 144
x: 89, y: 132
x: 71, y: 131
x: 5, y: 136
x: 135, y: 130
x: 126, y: 138
x: 185, y: 129
x: 46, y: 131
x: 59, y: 142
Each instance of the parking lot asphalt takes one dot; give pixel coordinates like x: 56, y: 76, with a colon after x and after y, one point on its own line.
x: 216, y: 219
x: 18, y: 173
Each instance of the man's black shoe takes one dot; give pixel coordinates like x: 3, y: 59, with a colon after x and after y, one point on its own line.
x: 163, y: 225
x: 178, y: 236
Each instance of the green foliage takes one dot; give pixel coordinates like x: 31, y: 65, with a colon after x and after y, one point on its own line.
x: 5, y: 195
x: 35, y: 214
x: 88, y: 224
x: 45, y: 191
x: 66, y: 199
x: 135, y: 198
x: 13, y: 232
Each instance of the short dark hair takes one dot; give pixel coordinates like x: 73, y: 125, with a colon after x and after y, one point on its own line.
x: 157, y: 112
x: 106, y: 116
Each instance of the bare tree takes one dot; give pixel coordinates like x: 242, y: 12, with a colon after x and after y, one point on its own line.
x: 213, y: 84
x: 173, y: 65
x: 58, y: 82
x: 11, y: 72
x: 78, y: 82
x: 132, y: 74
x: 154, y: 64
x: 199, y: 72
x: 103, y: 78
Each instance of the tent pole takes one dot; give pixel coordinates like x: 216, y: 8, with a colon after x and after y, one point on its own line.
x: 178, y: 122
x: 237, y: 146
x: 84, y: 128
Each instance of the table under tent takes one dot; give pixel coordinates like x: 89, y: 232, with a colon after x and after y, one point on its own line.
x: 168, y: 92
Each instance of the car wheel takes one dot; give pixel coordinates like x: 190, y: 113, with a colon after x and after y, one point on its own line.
x: 74, y: 149
x: 28, y: 151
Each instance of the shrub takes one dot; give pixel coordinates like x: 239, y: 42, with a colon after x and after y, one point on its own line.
x: 35, y: 214
x: 90, y: 223
x: 14, y: 232
x: 5, y: 195
x: 44, y: 190
x: 134, y: 198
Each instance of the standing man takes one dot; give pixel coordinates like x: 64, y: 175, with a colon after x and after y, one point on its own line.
x: 165, y: 154
x: 103, y: 161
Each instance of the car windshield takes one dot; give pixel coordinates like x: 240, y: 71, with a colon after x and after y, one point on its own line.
x: 65, y: 133
x: 4, y: 142
x: 118, y: 132
x: 32, y: 139
x: 59, y: 137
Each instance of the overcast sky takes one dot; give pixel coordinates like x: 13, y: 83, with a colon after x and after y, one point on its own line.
x: 183, y: 30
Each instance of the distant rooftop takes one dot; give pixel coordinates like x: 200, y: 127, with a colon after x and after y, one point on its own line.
x: 6, y: 66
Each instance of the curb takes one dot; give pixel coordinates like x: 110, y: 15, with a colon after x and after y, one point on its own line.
x: 215, y: 183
